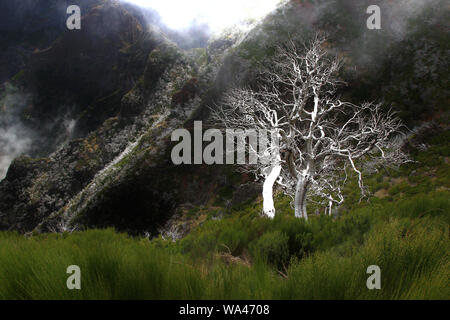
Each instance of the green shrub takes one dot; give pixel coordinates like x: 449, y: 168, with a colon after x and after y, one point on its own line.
x: 272, y: 248
x: 201, y: 245
x: 299, y: 233
x: 233, y: 241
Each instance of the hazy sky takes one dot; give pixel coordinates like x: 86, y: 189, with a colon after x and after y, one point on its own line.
x: 218, y: 14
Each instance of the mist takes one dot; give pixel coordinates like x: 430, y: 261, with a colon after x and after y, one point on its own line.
x: 216, y: 14
x: 15, y: 138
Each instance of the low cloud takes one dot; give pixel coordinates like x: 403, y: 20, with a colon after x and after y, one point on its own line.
x: 217, y: 14
x: 15, y: 138
x: 13, y: 143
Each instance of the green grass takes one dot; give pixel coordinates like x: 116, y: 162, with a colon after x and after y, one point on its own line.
x: 322, y: 259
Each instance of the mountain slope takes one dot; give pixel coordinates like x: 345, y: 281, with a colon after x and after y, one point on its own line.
x: 127, y: 88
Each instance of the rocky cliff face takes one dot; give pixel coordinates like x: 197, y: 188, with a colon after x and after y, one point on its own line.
x: 126, y: 88
x: 103, y: 102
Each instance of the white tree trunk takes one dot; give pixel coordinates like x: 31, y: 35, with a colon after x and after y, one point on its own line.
x: 268, y: 204
x: 300, y: 198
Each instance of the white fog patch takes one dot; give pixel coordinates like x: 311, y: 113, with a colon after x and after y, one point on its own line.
x: 13, y: 143
x: 217, y: 14
x: 69, y: 125
x: 397, y: 15
x: 15, y: 139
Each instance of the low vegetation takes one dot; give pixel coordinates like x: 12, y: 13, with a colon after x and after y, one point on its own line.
x: 246, y: 257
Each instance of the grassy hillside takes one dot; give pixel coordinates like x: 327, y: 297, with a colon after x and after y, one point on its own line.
x: 411, y: 249
x: 404, y: 230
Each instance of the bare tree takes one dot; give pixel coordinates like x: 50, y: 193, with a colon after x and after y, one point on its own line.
x: 246, y: 110
x: 325, y: 136
x: 320, y: 136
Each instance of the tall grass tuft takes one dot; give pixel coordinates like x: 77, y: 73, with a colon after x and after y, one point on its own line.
x: 287, y: 258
